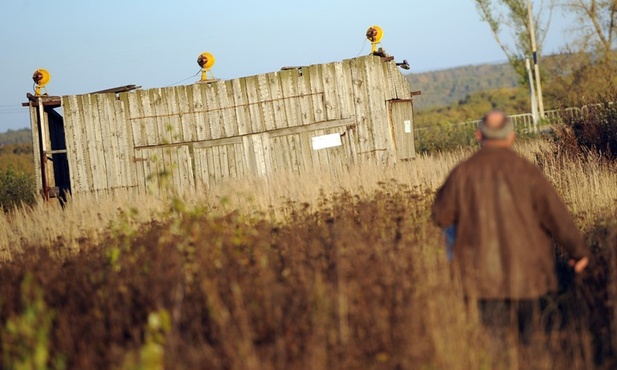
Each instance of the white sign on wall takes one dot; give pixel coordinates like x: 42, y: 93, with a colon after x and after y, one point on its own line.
x: 326, y: 141
x: 408, y: 127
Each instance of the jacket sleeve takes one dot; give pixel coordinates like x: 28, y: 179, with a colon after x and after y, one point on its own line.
x: 445, y: 207
x: 555, y: 218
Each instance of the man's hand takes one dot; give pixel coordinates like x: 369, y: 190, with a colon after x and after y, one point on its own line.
x: 580, y: 265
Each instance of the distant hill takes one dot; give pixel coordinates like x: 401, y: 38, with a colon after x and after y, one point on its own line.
x: 447, y: 87
x: 22, y: 136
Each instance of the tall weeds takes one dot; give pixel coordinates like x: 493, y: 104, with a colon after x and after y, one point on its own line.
x: 321, y: 271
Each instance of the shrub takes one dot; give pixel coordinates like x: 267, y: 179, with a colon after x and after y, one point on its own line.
x: 441, y: 138
x: 595, y: 131
x: 16, y: 189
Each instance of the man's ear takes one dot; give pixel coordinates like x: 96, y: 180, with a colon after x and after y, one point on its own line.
x: 479, y: 136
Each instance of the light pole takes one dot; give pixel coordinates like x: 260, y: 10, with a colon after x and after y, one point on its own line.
x: 532, y: 93
x: 534, y: 50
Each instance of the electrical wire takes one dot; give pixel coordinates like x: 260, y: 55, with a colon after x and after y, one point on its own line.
x: 363, y: 46
x: 188, y: 78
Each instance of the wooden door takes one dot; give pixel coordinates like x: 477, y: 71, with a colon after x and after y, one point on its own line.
x: 401, y: 127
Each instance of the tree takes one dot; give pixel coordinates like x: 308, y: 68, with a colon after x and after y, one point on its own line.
x: 587, y: 72
x: 598, y: 25
x: 510, y: 18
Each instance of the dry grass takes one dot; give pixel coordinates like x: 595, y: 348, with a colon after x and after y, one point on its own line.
x: 336, y: 271
x: 587, y: 185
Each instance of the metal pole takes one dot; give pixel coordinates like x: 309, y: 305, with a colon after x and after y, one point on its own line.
x: 532, y: 32
x: 532, y: 92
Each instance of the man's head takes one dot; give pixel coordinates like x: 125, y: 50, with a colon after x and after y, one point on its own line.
x: 495, y: 129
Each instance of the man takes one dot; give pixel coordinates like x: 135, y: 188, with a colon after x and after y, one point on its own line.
x: 505, y: 214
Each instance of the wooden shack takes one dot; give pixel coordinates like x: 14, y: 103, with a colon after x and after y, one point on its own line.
x: 326, y: 117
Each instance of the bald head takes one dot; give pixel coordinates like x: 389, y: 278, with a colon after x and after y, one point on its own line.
x: 495, y: 129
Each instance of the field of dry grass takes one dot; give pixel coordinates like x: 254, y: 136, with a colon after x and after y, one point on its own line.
x: 318, y: 271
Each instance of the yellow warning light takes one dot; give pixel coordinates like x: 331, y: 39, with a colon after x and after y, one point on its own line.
x: 206, y: 62
x: 374, y: 35
x: 41, y: 78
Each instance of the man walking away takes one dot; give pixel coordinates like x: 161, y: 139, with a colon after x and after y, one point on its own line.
x: 505, y: 213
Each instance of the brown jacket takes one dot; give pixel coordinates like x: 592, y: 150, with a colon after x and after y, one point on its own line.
x: 505, y: 211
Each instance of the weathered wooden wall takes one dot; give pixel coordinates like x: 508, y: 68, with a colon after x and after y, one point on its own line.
x: 194, y: 135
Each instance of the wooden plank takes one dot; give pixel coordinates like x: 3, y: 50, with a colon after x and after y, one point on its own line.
x: 108, y: 145
x: 344, y: 88
x: 125, y: 142
x: 94, y: 137
x: 316, y: 89
x: 292, y: 145
x: 150, y: 163
x: 171, y: 168
x: 251, y: 85
x: 305, y: 100
x: 149, y: 127
x: 337, y: 156
x: 239, y: 156
x: 160, y: 170
x: 137, y: 124
x: 267, y: 147
x: 36, y: 148
x: 185, y: 169
x: 174, y: 114
x: 201, y: 167
x: 278, y: 154
x: 278, y: 103
x: 289, y: 89
x: 45, y: 134
x: 230, y: 115
x: 324, y: 125
x: 141, y: 179
x: 212, y: 173
x: 224, y: 159
x: 71, y: 117
x: 211, y: 95
x: 202, y: 125
x: 250, y: 160
x: 260, y: 154
x: 132, y: 126
x: 187, y: 117
x: 331, y: 96
x: 366, y: 142
x: 243, y: 115
x: 390, y: 84
x: 84, y: 154
x: 377, y: 112
x: 401, y: 122
x: 219, y: 142
x: 306, y: 152
x: 318, y: 157
x: 265, y: 97
x: 159, y: 109
x: 231, y: 160
x: 403, y: 87
x: 224, y: 111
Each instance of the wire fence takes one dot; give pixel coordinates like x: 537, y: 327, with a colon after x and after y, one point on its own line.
x: 441, y: 137
x: 525, y: 123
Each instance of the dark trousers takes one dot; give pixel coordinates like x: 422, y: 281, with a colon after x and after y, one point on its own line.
x: 503, y: 317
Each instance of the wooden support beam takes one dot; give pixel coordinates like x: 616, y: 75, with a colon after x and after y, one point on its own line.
x: 48, y: 101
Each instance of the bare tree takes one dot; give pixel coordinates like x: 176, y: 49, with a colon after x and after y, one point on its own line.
x: 509, y: 18
x: 597, y: 20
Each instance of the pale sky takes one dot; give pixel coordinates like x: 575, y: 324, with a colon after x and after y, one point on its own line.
x: 92, y: 45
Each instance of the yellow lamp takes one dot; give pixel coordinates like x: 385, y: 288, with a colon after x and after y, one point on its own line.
x: 41, y: 78
x: 374, y: 35
x: 206, y: 62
